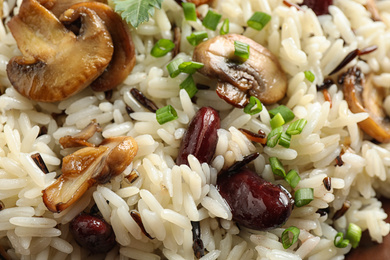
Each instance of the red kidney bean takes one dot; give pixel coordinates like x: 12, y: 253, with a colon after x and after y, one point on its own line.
x: 201, y: 136
x: 93, y: 233
x: 254, y: 202
x: 319, y: 7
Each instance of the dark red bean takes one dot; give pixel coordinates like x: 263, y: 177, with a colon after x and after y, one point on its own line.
x: 201, y: 136
x: 92, y: 232
x: 254, y: 202
x: 319, y: 7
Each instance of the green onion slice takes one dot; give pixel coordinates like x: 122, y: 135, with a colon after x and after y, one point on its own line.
x: 190, y: 67
x: 173, y: 67
x: 166, y: 114
x: 258, y: 20
x: 339, y: 241
x: 274, y: 136
x: 248, y: 109
x: 225, y: 27
x: 197, y: 37
x: 354, y: 234
x: 286, y: 241
x: 293, y: 178
x: 211, y: 20
x: 189, y: 11
x: 241, y: 50
x: 285, y: 140
x: 189, y: 85
x: 162, y: 47
x: 296, y: 127
x: 303, y: 196
x: 309, y: 75
x: 277, y: 121
x: 287, y: 114
x: 277, y: 167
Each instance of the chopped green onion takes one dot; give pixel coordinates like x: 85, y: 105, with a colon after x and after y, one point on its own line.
x: 309, y: 75
x: 303, y: 196
x: 339, y: 241
x: 241, y: 50
x: 190, y: 67
x: 162, y: 47
x: 225, y: 27
x: 286, y: 241
x: 166, y: 114
x: 211, y: 20
x: 197, y: 37
x: 252, y: 102
x: 277, y: 121
x: 296, y: 127
x: 293, y: 178
x: 287, y: 114
x: 277, y: 167
x: 258, y: 20
x: 173, y: 67
x: 189, y: 11
x: 285, y: 140
x: 274, y: 136
x: 354, y: 234
x: 189, y: 85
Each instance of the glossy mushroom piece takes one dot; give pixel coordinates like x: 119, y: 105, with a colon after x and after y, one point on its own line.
x: 57, y: 7
x: 363, y: 96
x: 123, y: 58
x: 56, y: 63
x: 260, y: 75
x: 87, y: 167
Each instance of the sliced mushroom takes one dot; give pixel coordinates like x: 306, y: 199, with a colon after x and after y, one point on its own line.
x: 81, y: 138
x: 56, y: 63
x: 260, y: 75
x: 86, y: 167
x: 363, y: 96
x: 57, y: 7
x: 123, y: 58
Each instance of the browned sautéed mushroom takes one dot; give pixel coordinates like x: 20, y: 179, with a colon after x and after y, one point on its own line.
x: 362, y: 95
x: 123, y: 58
x: 56, y: 63
x: 86, y: 167
x: 260, y: 75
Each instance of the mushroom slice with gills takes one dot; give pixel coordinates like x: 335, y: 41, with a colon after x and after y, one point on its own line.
x: 363, y: 96
x: 123, y: 58
x: 56, y: 63
x: 86, y: 167
x: 81, y: 138
x: 260, y: 75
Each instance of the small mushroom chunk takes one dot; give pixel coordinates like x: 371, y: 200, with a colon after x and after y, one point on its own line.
x: 81, y: 138
x: 260, y: 75
x: 87, y: 167
x: 363, y: 96
x: 56, y: 63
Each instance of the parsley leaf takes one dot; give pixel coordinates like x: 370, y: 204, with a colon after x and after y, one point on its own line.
x: 136, y: 12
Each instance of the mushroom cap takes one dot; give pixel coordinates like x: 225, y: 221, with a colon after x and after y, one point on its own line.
x: 123, y: 58
x: 363, y: 96
x: 260, y: 75
x: 56, y: 63
x: 86, y: 167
